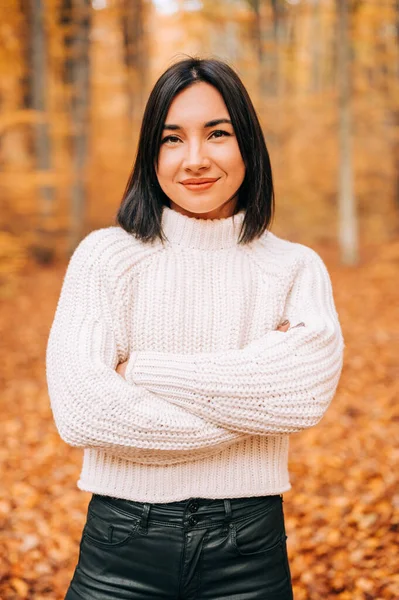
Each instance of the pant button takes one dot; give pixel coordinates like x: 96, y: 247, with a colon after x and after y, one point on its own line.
x: 193, y: 506
x: 192, y: 520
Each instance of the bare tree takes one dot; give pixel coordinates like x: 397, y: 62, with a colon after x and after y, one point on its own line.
x: 79, y: 68
x: 38, y: 98
x: 348, y: 236
x: 268, y: 35
x: 316, y: 40
x: 135, y: 53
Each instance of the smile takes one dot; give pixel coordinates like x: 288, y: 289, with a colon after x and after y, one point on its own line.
x: 199, y: 187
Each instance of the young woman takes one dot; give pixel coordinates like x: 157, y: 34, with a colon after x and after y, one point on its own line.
x: 188, y: 343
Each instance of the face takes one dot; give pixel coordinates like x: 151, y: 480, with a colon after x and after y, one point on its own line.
x: 200, y: 167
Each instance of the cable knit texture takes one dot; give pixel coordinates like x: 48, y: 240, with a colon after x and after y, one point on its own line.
x: 211, y: 390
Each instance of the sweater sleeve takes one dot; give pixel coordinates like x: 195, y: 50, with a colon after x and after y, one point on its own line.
x: 94, y: 406
x: 282, y: 382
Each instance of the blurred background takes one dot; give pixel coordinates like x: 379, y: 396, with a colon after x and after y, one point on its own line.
x: 75, y: 74
x: 323, y: 76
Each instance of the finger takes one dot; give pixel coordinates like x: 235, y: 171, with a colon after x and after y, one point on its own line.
x: 284, y: 326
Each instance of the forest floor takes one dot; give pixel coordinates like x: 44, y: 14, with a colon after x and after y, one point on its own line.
x: 342, y: 513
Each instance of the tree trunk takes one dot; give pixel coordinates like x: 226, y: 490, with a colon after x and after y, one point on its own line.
x: 348, y: 236
x: 80, y: 68
x: 258, y: 29
x: 66, y: 21
x: 316, y: 46
x: 43, y: 248
x: 264, y: 41
x: 279, y: 41
x: 135, y: 53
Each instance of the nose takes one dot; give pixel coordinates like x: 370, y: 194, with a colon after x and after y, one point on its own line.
x: 195, y: 158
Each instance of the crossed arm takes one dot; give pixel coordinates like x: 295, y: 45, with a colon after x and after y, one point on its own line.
x: 93, y: 406
x: 279, y: 383
x: 173, y: 408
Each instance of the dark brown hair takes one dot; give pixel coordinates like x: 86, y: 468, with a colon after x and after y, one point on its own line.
x: 141, y: 208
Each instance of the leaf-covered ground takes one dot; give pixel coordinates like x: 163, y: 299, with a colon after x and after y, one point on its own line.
x: 342, y: 514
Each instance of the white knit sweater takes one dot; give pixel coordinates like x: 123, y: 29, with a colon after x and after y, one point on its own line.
x: 212, y: 390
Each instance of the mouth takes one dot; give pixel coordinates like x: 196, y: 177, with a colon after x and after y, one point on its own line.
x: 197, y: 185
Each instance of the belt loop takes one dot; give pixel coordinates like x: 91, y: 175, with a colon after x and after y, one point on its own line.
x: 143, y: 526
x: 228, y: 515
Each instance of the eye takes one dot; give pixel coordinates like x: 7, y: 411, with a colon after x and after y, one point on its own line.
x: 170, y: 138
x: 222, y: 132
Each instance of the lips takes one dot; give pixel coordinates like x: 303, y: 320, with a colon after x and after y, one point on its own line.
x: 199, y: 185
x: 198, y: 181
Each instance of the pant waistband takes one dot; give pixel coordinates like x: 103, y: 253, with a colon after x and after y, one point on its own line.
x: 191, y: 512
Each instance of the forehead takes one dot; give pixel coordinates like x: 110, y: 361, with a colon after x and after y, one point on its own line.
x: 199, y: 103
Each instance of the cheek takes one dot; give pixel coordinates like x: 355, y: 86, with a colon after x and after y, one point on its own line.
x: 166, y: 165
x: 232, y: 164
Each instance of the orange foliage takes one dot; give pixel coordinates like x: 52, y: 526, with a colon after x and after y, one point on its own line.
x: 342, y: 514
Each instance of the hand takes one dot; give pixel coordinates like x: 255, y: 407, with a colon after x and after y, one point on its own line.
x: 121, y: 368
x: 285, y: 325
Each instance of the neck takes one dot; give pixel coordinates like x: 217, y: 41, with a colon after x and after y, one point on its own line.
x: 201, y: 233
x: 221, y: 212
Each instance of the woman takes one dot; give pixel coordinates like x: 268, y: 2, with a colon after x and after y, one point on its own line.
x: 188, y: 343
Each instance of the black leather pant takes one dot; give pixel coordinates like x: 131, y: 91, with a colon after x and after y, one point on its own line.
x: 202, y: 549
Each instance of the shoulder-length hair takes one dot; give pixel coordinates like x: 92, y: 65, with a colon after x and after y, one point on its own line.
x: 140, y: 211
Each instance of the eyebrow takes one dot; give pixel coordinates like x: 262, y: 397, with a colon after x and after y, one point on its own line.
x: 206, y: 125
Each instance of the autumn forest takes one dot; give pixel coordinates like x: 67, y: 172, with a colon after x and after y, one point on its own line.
x: 324, y: 79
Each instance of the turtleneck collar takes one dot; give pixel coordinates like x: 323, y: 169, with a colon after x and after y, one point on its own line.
x: 201, y: 234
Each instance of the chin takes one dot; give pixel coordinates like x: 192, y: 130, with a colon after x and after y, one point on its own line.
x: 198, y: 209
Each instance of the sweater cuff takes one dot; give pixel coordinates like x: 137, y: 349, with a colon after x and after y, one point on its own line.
x: 159, y: 371
x: 129, y: 372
